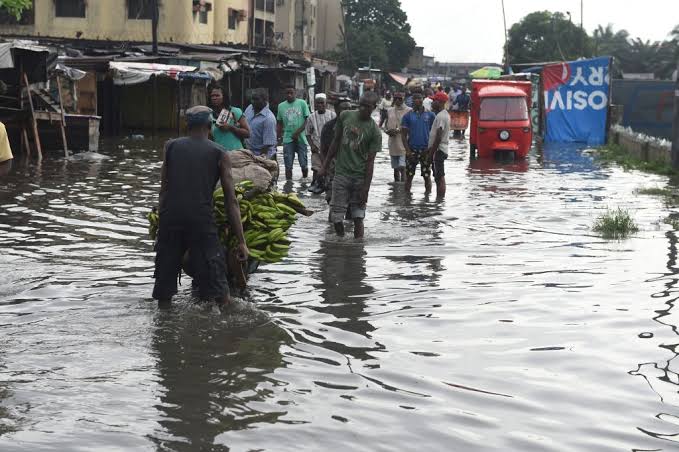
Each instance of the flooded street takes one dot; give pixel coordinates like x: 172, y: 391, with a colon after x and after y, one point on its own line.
x: 493, y: 321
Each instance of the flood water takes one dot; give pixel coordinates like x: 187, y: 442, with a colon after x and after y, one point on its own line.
x: 493, y: 321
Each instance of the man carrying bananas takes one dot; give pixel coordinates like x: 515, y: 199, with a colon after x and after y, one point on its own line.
x: 192, y: 165
x: 357, y: 142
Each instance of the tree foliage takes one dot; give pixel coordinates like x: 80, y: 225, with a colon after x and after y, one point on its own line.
x: 545, y: 36
x: 637, y: 55
x: 16, y: 7
x: 376, y: 30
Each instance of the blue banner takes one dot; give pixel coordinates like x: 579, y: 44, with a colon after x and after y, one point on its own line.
x: 576, y: 101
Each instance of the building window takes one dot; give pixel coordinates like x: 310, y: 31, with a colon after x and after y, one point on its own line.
x: 27, y: 17
x: 139, y: 9
x: 201, y: 8
x: 269, y: 36
x: 70, y: 8
x: 259, y: 32
x: 264, y: 33
x: 234, y: 17
x: 266, y: 5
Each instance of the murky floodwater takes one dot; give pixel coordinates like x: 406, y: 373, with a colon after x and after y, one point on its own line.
x: 492, y: 321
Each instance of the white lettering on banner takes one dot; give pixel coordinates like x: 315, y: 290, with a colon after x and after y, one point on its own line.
x: 579, y: 78
x: 597, y: 77
x: 580, y: 100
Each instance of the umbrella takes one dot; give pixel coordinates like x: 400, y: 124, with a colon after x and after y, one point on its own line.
x: 490, y: 72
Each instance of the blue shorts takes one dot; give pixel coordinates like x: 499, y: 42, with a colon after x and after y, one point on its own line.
x: 398, y: 161
x: 289, y: 151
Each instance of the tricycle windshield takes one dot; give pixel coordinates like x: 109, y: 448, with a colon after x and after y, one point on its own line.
x: 503, y: 109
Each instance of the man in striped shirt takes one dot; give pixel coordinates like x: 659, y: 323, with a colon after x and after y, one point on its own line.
x: 314, y: 126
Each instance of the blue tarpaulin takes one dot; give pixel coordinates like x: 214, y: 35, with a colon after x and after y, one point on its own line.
x: 576, y: 101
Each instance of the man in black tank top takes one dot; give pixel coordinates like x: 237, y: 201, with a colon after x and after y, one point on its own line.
x: 192, y: 166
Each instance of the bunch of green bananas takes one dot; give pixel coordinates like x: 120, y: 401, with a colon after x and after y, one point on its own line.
x: 266, y: 218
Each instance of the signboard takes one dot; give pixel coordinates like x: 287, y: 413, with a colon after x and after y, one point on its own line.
x: 576, y: 101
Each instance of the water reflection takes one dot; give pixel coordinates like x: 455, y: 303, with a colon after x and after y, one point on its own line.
x: 342, y: 273
x: 493, y: 166
x: 663, y: 377
x: 217, y: 375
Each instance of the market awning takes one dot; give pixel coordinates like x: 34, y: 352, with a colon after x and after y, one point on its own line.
x: 399, y: 78
x: 324, y: 65
x: 126, y: 73
x: 35, y: 60
x: 69, y: 72
x: 486, y: 72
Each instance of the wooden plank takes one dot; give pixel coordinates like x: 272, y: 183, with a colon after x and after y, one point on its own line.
x: 154, y: 105
x: 62, y: 123
x: 24, y: 142
x: 34, y: 123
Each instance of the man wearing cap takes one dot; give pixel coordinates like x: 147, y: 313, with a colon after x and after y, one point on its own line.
x: 327, y: 136
x: 314, y: 126
x: 392, y: 127
x: 415, y: 128
x: 192, y: 165
x: 438, y: 141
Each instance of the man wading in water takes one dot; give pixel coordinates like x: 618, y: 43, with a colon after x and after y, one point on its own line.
x: 191, y: 168
x: 357, y: 142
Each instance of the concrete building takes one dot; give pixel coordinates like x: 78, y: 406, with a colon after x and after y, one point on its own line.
x: 330, y: 19
x: 459, y: 71
x: 297, y: 25
x: 416, y: 61
x: 180, y: 21
x: 264, y: 23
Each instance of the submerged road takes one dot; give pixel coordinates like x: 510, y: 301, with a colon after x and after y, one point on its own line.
x: 493, y: 321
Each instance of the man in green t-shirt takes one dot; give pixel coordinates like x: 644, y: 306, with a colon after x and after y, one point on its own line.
x: 357, y: 142
x: 292, y: 116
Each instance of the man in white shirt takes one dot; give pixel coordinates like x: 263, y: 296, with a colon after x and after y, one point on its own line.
x: 384, y: 105
x: 428, y: 92
x: 438, y: 142
x: 314, y: 127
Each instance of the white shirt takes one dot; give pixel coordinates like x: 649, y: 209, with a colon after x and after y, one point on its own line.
x: 315, y: 123
x: 442, y: 121
x: 426, y: 103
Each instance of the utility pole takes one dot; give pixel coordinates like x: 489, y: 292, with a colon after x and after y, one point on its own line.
x: 582, y: 29
x: 504, y: 19
x: 154, y: 26
x: 675, y: 125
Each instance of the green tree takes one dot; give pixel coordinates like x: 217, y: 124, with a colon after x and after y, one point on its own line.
x: 383, y: 19
x: 366, y: 46
x: 16, y: 7
x: 545, y: 36
x: 637, y: 56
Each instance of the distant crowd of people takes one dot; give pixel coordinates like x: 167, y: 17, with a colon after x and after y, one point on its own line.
x: 417, y: 122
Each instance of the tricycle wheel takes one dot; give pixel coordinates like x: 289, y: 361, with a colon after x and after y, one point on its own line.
x: 472, y: 151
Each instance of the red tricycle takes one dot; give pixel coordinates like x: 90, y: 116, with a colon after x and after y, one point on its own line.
x: 500, y: 118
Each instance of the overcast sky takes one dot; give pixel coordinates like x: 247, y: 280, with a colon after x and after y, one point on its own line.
x: 473, y: 32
